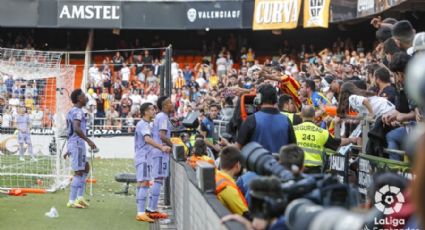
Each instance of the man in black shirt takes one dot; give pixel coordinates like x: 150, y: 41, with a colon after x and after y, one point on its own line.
x: 383, y: 81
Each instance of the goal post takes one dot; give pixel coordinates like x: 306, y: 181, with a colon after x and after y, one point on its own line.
x: 38, y: 83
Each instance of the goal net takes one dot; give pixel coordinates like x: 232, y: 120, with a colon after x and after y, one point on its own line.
x: 35, y: 85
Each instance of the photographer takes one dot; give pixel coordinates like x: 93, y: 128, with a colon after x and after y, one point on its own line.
x: 268, y: 126
x: 199, y: 153
x: 291, y: 157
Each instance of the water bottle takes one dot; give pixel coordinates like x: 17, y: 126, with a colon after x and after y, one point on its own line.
x: 53, y: 213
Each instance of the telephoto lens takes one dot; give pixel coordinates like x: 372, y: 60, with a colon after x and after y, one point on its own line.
x: 257, y: 159
x: 306, y: 215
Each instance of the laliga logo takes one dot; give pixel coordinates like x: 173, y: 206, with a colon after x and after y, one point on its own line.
x: 191, y: 14
x: 389, y: 199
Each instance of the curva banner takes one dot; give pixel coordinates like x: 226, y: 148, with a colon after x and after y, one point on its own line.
x: 276, y: 14
x: 89, y: 14
x: 316, y: 13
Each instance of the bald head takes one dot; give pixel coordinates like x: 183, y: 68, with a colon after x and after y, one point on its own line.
x: 307, y: 112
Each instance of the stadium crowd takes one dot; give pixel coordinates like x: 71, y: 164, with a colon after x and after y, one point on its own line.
x: 307, y: 92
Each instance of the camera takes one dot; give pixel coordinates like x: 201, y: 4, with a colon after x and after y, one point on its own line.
x: 271, y: 194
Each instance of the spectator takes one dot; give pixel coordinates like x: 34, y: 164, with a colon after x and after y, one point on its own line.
x: 152, y: 97
x: 29, y: 102
x: 112, y: 119
x: 93, y: 73
x: 180, y: 81
x: 31, y: 90
x: 129, y: 123
x: 7, y: 120
x: 207, y: 124
x: 138, y: 62
x: 221, y: 65
x: 2, y: 105
x: 156, y: 67
x: 147, y: 61
x: 118, y: 62
x: 125, y: 106
x: 37, y: 117
x: 100, y: 112
x: 383, y: 82
x: 404, y: 33
x: 151, y: 78
x: 3, y: 88
x: 365, y: 102
x: 125, y: 75
x: 187, y: 74
x: 137, y: 101
x: 9, y: 83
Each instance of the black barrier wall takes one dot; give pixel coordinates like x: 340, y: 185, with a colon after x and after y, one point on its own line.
x: 194, y: 209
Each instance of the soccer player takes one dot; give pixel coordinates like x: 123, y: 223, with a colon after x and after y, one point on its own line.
x: 161, y: 132
x: 143, y: 146
x: 76, y: 126
x: 23, y: 124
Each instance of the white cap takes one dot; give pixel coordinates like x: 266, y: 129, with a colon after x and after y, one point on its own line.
x: 418, y: 43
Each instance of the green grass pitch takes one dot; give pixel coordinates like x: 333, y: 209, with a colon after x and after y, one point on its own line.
x: 107, y: 210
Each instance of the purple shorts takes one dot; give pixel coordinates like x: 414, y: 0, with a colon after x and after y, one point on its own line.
x: 77, y: 152
x: 160, y: 166
x: 143, y: 172
x: 24, y: 138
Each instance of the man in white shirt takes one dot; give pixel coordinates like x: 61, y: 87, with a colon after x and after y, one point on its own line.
x: 137, y: 102
x: 7, y: 119
x: 152, y: 98
x: 201, y: 82
x: 221, y: 65
x: 37, y: 117
x: 174, y: 71
x: 93, y: 73
x: 14, y: 101
x: 125, y: 75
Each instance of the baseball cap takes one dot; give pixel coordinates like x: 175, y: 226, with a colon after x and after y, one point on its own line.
x: 418, y: 43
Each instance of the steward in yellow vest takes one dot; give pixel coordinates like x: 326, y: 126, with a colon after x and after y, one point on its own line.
x: 226, y: 190
x: 313, y: 140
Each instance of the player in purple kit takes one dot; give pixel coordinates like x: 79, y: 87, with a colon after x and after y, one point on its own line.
x: 23, y: 124
x: 76, y: 128
x: 161, y: 132
x: 143, y: 147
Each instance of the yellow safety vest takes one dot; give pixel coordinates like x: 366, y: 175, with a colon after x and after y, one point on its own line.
x: 290, y: 116
x: 312, y: 139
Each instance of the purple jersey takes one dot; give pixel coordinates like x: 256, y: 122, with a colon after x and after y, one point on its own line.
x: 75, y: 114
x: 141, y: 148
x: 161, y: 122
x: 22, y: 123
